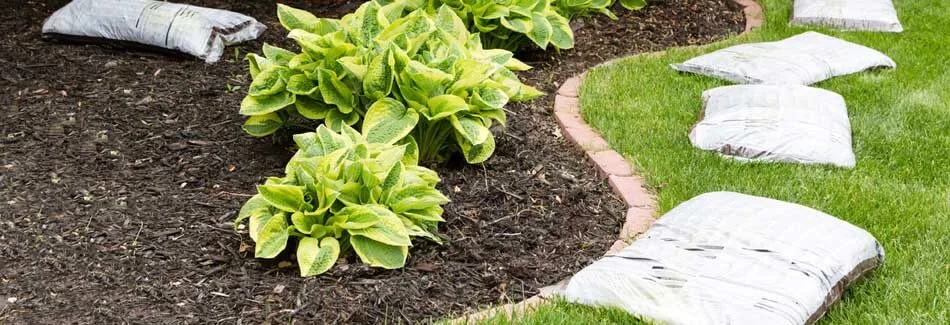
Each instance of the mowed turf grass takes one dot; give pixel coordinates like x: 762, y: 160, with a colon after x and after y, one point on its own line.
x: 899, y: 191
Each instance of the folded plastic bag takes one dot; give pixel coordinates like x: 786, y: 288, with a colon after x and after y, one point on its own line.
x: 730, y: 258
x: 802, y: 59
x: 863, y: 15
x: 202, y: 32
x: 777, y: 123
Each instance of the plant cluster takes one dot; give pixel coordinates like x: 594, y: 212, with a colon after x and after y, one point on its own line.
x: 340, y: 192
x: 391, y: 71
x: 420, y: 80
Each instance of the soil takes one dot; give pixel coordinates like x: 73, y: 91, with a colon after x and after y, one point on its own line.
x: 120, y: 173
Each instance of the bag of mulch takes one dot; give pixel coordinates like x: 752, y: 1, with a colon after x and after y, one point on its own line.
x: 202, y: 32
x: 730, y: 258
x: 862, y: 15
x: 803, y: 59
x: 775, y: 123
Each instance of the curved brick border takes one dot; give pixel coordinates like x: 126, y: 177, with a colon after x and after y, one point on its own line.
x: 612, y: 166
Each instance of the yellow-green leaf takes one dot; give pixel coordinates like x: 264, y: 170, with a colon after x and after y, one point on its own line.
x: 443, y: 106
x: 272, y: 238
x: 378, y: 81
x: 259, y: 105
x: 311, y: 108
x: 562, y: 36
x: 475, y: 154
x: 377, y: 254
x: 284, y: 197
x: 293, y: 18
x: 541, y: 30
x: 334, y: 91
x: 388, y: 121
x: 388, y: 230
x: 299, y: 84
x: 256, y: 205
x: 316, y: 256
x: 262, y: 125
x: 471, y: 129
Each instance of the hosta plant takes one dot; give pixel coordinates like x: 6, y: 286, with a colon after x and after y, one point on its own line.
x: 507, y: 24
x: 340, y: 193
x: 393, y: 71
x: 576, y: 8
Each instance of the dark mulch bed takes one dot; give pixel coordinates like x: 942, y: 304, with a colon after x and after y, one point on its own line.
x: 120, y: 173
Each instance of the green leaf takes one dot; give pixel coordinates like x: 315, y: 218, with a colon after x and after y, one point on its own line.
x: 378, y: 82
x: 475, y: 154
x: 260, y: 105
x: 284, y: 197
x: 372, y: 23
x: 411, y: 156
x: 490, y: 97
x: 268, y: 82
x: 377, y: 254
x: 256, y: 205
x: 303, y: 222
x: 272, y: 238
x: 471, y: 129
x: 443, y: 106
x: 353, y: 67
x: 633, y: 4
x: 521, y: 25
x: 277, y: 55
x: 299, y: 84
x: 433, y: 213
x: 393, y: 177
x: 359, y: 217
x: 257, y: 63
x: 316, y: 256
x: 447, y: 21
x: 311, y: 108
x: 562, y: 36
x: 516, y: 65
x: 335, y: 92
x: 388, y: 121
x: 416, y: 197
x: 527, y: 93
x: 388, y: 230
x: 262, y: 125
x: 541, y: 30
x: 292, y: 18
x: 326, y: 26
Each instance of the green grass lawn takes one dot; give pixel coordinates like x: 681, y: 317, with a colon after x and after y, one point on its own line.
x: 899, y: 191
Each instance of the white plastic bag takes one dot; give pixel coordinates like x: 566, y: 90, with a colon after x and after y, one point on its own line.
x: 863, y: 15
x: 730, y: 258
x: 802, y: 59
x: 202, y: 32
x: 779, y: 123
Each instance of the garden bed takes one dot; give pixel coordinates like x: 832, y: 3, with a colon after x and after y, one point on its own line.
x: 120, y: 174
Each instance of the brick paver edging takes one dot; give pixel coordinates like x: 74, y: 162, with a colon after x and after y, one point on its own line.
x: 612, y: 166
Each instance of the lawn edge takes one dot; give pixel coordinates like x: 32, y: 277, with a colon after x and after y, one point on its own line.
x: 641, y: 204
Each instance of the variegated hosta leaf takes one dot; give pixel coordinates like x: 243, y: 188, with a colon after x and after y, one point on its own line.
x: 446, y: 20
x: 471, y: 129
x: 521, y: 25
x: 256, y: 205
x: 633, y: 4
x: 387, y: 230
x: 377, y: 254
x: 411, y: 157
x: 268, y: 82
x: 378, y: 81
x: 292, y: 18
x: 303, y: 222
x: 272, y: 238
x: 490, y: 97
x: 277, y: 55
x: 285, y: 197
x: 443, y: 106
x: 335, y: 92
x: 257, y: 63
x: 353, y: 66
x: 388, y: 121
x: 416, y: 197
x: 299, y: 84
x: 316, y: 256
x: 263, y: 125
x: 475, y: 154
x: 259, y: 105
x: 373, y: 22
x: 540, y: 32
x: 562, y: 36
x: 311, y: 108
